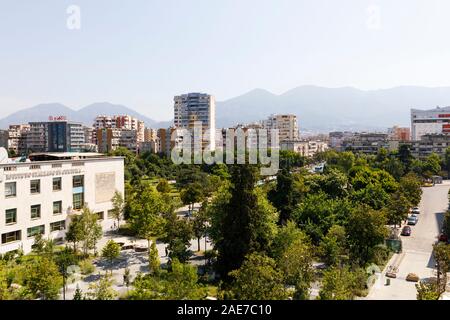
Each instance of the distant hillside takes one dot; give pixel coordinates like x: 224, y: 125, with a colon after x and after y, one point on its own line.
x: 326, y: 109
x: 85, y: 115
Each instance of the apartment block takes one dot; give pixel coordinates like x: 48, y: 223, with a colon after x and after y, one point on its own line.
x: 193, y: 108
x: 286, y: 124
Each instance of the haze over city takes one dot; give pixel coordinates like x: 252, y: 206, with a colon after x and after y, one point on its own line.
x: 142, y: 54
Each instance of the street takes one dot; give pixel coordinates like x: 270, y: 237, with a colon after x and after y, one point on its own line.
x: 417, y: 248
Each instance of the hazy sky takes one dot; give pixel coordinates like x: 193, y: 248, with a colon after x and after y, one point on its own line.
x: 142, y: 52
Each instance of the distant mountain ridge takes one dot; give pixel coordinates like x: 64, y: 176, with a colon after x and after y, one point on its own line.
x: 85, y: 115
x: 328, y: 109
x: 318, y: 109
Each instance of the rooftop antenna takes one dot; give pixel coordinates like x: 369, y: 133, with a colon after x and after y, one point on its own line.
x: 3, y: 155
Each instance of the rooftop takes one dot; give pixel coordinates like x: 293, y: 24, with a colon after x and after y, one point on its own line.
x: 45, y: 156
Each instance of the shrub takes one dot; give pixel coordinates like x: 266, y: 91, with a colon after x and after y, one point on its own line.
x: 381, y: 255
x: 86, y: 266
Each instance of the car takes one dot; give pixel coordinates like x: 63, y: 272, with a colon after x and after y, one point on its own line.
x: 406, y: 231
x: 443, y: 237
x: 413, y: 219
x: 415, y: 210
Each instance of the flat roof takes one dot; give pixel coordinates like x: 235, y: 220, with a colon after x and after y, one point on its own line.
x: 69, y: 154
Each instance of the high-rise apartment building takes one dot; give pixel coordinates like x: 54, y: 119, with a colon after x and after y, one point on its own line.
x: 120, y: 122
x: 55, y: 136
x: 193, y: 108
x: 286, y: 124
x: 432, y: 121
x: 17, y: 138
x: 109, y: 139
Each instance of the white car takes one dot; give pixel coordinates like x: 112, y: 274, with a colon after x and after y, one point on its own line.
x: 415, y: 210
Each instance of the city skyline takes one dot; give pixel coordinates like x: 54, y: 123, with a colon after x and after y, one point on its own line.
x: 137, y: 56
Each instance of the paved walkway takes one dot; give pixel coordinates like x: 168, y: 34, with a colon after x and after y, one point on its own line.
x: 137, y: 262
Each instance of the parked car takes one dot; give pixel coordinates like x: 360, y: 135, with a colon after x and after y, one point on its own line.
x: 415, y: 210
x: 443, y: 237
x: 406, y: 231
x: 413, y: 219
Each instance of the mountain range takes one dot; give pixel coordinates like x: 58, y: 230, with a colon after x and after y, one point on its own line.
x: 85, y: 115
x: 318, y: 109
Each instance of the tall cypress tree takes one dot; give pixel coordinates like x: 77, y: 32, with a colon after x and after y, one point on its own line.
x: 247, y: 223
x: 282, y: 197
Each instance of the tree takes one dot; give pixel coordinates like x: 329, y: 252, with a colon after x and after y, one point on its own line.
x: 285, y: 236
x: 64, y: 259
x: 398, y: 208
x: 405, y: 156
x: 200, y: 223
x: 410, y: 186
x: 447, y: 160
x: 111, y: 251
x: 258, y: 279
x: 102, y: 289
x: 146, y: 214
x: 296, y: 266
x: 74, y: 232
x: 432, y: 165
x: 163, y: 186
x: 283, y: 195
x: 318, y: 213
x: 242, y: 222
x: 192, y: 194
x: 333, y: 246
x: 446, y: 223
x: 78, y: 295
x: 341, y: 284
x: 181, y: 283
x: 366, y: 228
x: 42, y: 278
x: 89, y: 230
x: 118, y: 207
x: 178, y: 234
x: 154, y: 259
x: 442, y: 257
x: 427, y: 291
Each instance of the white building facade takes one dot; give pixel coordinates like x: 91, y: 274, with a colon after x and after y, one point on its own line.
x: 433, y: 121
x: 42, y: 196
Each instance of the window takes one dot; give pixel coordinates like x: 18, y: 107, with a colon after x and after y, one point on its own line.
x: 56, y: 165
x: 78, y: 164
x: 57, y: 207
x: 11, y: 216
x: 35, y: 167
x: 11, y: 236
x: 58, y: 226
x: 10, y: 189
x: 111, y: 214
x: 78, y: 201
x: 35, y: 186
x: 100, y: 215
x: 57, y: 185
x: 36, y: 211
x: 31, y: 232
x: 78, y: 181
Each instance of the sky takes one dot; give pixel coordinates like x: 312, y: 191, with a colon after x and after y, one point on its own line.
x: 140, y: 53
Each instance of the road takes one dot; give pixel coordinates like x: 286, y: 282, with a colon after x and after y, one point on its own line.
x: 417, y: 249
